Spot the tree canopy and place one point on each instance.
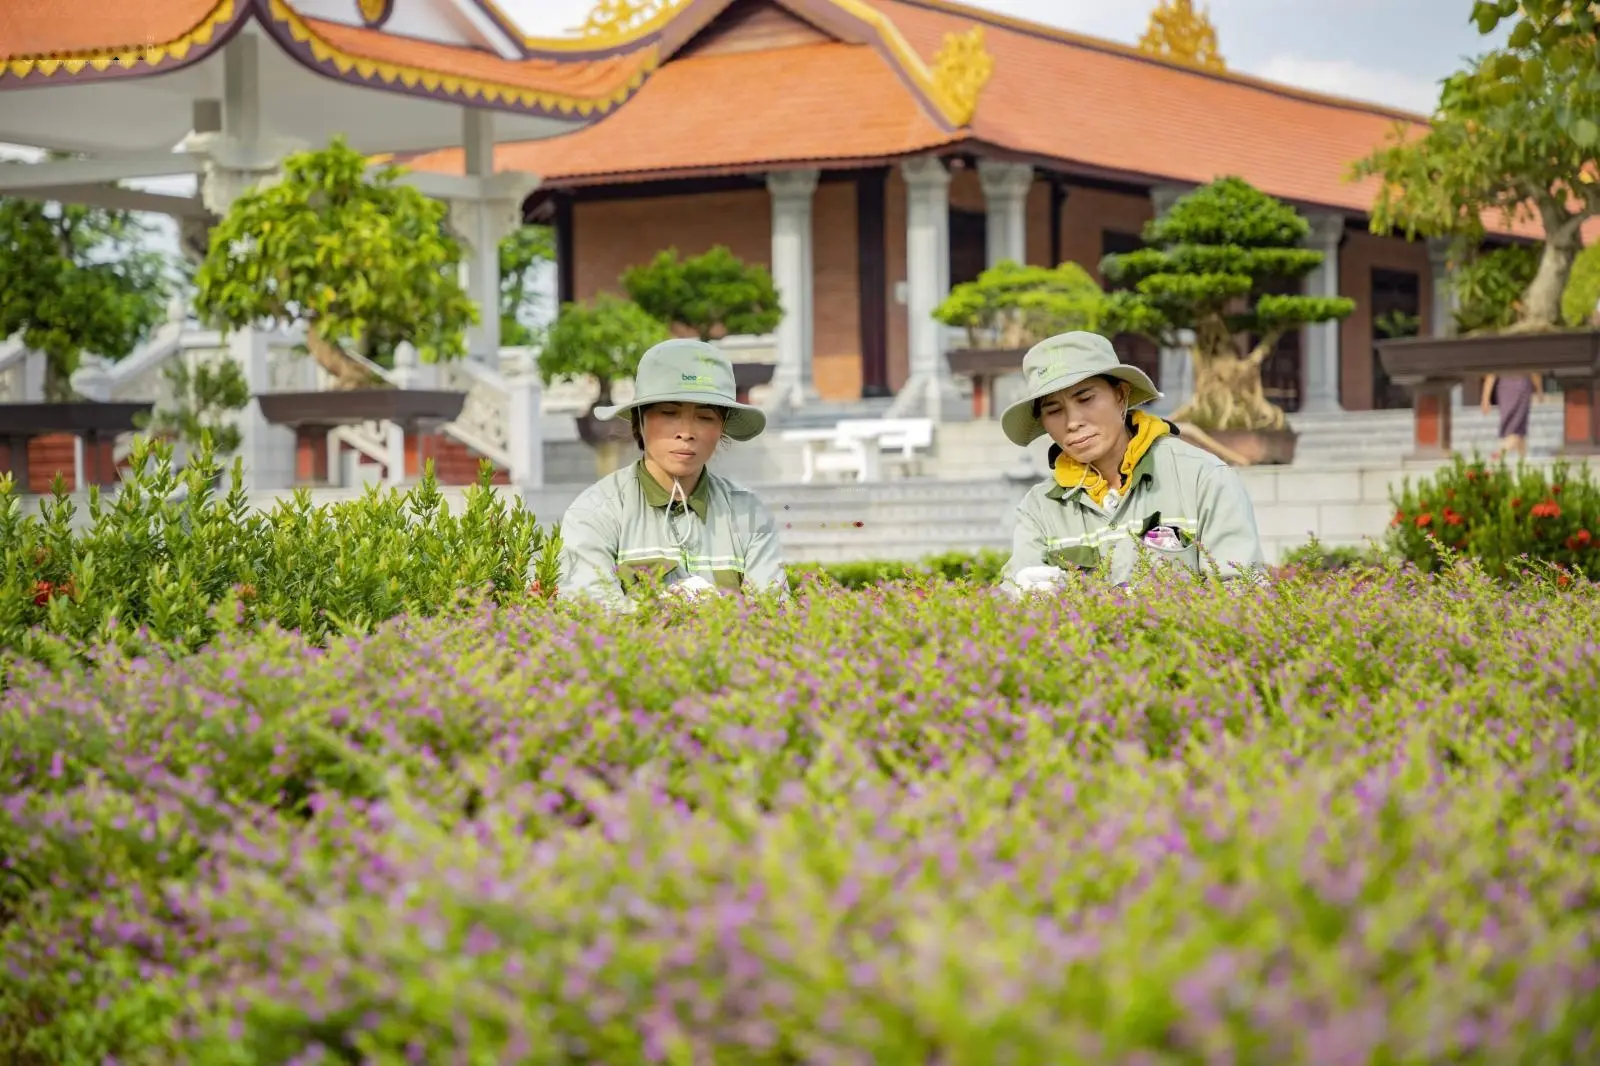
(1018, 306)
(1515, 137)
(715, 294)
(77, 280)
(348, 252)
(602, 338)
(522, 252)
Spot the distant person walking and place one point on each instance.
(1514, 395)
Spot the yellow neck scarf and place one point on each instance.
(1147, 429)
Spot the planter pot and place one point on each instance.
(418, 410)
(747, 376)
(1244, 447)
(607, 438)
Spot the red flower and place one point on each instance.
(1424, 519)
(1555, 490)
(1516, 502)
(1451, 518)
(1547, 509)
(1562, 580)
(1398, 519)
(41, 593)
(1583, 537)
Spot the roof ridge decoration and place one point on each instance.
(621, 22)
(960, 71)
(154, 54)
(1104, 44)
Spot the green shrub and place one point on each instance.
(1317, 556)
(1509, 520)
(148, 570)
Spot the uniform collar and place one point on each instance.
(1143, 470)
(656, 496)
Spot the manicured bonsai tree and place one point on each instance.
(603, 339)
(1012, 306)
(351, 253)
(1210, 265)
(715, 294)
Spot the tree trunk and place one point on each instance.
(1227, 385)
(1541, 303)
(346, 372)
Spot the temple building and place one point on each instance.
(872, 153)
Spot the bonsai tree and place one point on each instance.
(710, 296)
(201, 405)
(1489, 285)
(77, 279)
(602, 339)
(1211, 263)
(351, 254)
(1516, 135)
(1012, 306)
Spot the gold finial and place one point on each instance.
(961, 69)
(1177, 31)
(372, 11)
(613, 21)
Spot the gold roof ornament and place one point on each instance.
(1178, 32)
(618, 21)
(373, 11)
(961, 69)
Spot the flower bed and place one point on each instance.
(1345, 820)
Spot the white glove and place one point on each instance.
(692, 587)
(1041, 578)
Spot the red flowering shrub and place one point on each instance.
(1505, 518)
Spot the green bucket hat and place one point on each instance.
(1060, 362)
(689, 371)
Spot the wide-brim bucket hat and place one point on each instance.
(1061, 362)
(689, 371)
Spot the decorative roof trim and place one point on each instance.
(301, 40)
(191, 46)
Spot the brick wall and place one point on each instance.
(835, 292)
(612, 235)
(1085, 216)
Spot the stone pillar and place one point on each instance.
(1320, 341)
(1177, 365)
(524, 431)
(1005, 195)
(266, 451)
(929, 392)
(242, 154)
(793, 191)
(480, 225)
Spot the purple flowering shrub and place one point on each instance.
(1346, 820)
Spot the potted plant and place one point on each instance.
(1210, 266)
(601, 339)
(352, 255)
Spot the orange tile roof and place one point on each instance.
(53, 28)
(1065, 100)
(47, 37)
(701, 113)
(51, 41)
(570, 85)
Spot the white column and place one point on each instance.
(929, 392)
(1320, 341)
(793, 192)
(481, 230)
(242, 154)
(266, 450)
(1177, 365)
(1005, 196)
(524, 433)
(1443, 310)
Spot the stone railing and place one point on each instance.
(21, 372)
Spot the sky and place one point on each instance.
(1391, 52)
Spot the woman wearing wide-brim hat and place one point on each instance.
(666, 520)
(1122, 482)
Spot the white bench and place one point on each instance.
(862, 446)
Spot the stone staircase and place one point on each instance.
(891, 520)
(1354, 438)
